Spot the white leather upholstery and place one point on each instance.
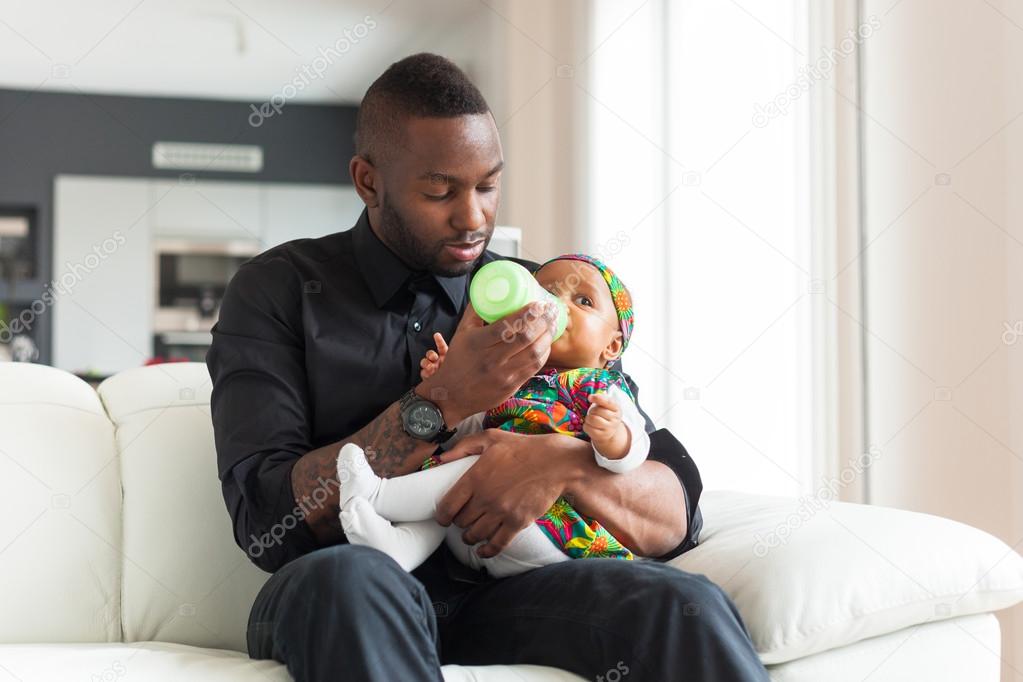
(166, 573)
(964, 649)
(954, 650)
(60, 538)
(139, 662)
(845, 572)
(185, 580)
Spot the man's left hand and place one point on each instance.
(515, 482)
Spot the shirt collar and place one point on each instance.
(385, 273)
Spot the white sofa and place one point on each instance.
(117, 560)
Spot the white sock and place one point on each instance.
(355, 475)
(407, 543)
(412, 497)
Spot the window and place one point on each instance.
(699, 195)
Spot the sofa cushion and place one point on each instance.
(149, 661)
(952, 650)
(809, 575)
(163, 662)
(60, 539)
(185, 579)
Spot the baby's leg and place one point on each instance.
(410, 544)
(412, 497)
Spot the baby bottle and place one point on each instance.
(501, 287)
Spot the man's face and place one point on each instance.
(440, 193)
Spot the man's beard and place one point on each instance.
(416, 252)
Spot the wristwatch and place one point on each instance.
(422, 419)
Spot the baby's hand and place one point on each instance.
(433, 359)
(604, 426)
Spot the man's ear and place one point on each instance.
(613, 349)
(366, 179)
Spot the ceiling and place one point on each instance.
(251, 50)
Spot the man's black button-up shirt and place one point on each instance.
(316, 337)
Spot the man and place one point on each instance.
(319, 343)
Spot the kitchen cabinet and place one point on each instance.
(103, 274)
(104, 323)
(206, 209)
(294, 211)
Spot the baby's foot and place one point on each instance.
(361, 523)
(407, 543)
(355, 474)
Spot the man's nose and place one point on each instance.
(468, 213)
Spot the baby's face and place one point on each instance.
(592, 335)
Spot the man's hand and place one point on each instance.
(514, 483)
(486, 364)
(520, 476)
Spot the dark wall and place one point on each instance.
(44, 134)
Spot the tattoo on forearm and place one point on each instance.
(387, 446)
(389, 450)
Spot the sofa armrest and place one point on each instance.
(810, 574)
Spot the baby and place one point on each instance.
(573, 394)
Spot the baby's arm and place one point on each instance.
(616, 430)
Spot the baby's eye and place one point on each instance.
(584, 300)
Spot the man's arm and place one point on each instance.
(520, 476)
(389, 450)
(645, 509)
(463, 385)
(282, 495)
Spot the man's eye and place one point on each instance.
(437, 197)
(487, 188)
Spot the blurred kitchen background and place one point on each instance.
(811, 200)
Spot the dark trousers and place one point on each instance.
(350, 613)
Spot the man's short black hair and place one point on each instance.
(422, 85)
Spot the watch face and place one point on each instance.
(423, 420)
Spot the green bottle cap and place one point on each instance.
(501, 287)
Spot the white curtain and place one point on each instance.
(699, 194)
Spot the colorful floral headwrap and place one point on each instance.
(619, 294)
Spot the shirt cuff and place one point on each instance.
(470, 425)
(665, 448)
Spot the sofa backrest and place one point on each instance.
(60, 502)
(80, 561)
(184, 578)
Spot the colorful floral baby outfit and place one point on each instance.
(556, 402)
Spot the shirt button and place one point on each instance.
(417, 326)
